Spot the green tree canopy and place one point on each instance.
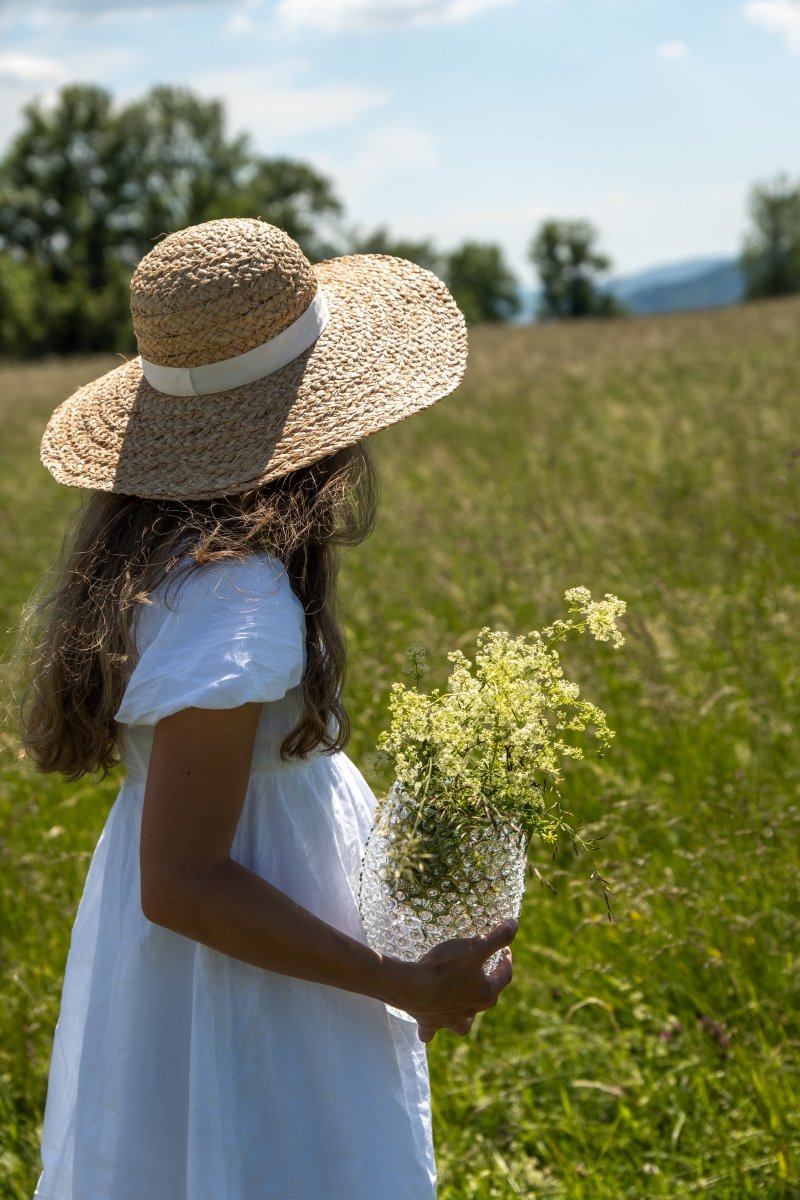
(771, 254)
(569, 266)
(85, 190)
(483, 285)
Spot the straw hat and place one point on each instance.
(253, 362)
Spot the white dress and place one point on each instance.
(179, 1073)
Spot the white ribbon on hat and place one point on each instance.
(243, 368)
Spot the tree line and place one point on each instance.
(86, 188)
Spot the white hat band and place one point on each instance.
(243, 368)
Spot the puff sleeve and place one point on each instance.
(227, 634)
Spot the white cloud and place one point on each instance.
(672, 50)
(335, 16)
(510, 226)
(30, 69)
(13, 96)
(388, 150)
(65, 14)
(476, 221)
(240, 23)
(778, 16)
(90, 8)
(616, 213)
(389, 163)
(24, 77)
(275, 109)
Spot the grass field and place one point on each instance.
(658, 458)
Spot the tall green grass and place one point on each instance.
(653, 1056)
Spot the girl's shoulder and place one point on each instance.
(217, 600)
(215, 636)
(255, 589)
(257, 578)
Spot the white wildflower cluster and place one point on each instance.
(416, 665)
(496, 739)
(601, 615)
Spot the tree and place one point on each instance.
(58, 199)
(770, 257)
(177, 164)
(483, 285)
(568, 264)
(58, 191)
(86, 190)
(21, 309)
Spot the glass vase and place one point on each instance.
(426, 878)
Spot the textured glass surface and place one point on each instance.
(484, 885)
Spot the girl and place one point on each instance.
(223, 1031)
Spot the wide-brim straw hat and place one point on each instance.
(252, 363)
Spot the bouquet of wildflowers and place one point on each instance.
(489, 750)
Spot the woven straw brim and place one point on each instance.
(395, 343)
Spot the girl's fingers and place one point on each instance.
(460, 987)
(482, 946)
(458, 1025)
(496, 939)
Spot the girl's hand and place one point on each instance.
(449, 985)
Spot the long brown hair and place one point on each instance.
(81, 635)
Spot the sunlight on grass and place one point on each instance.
(655, 1056)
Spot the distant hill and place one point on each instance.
(695, 283)
(698, 283)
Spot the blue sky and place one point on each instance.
(463, 119)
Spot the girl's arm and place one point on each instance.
(196, 784)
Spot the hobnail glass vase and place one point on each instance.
(475, 879)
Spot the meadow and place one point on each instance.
(653, 1055)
